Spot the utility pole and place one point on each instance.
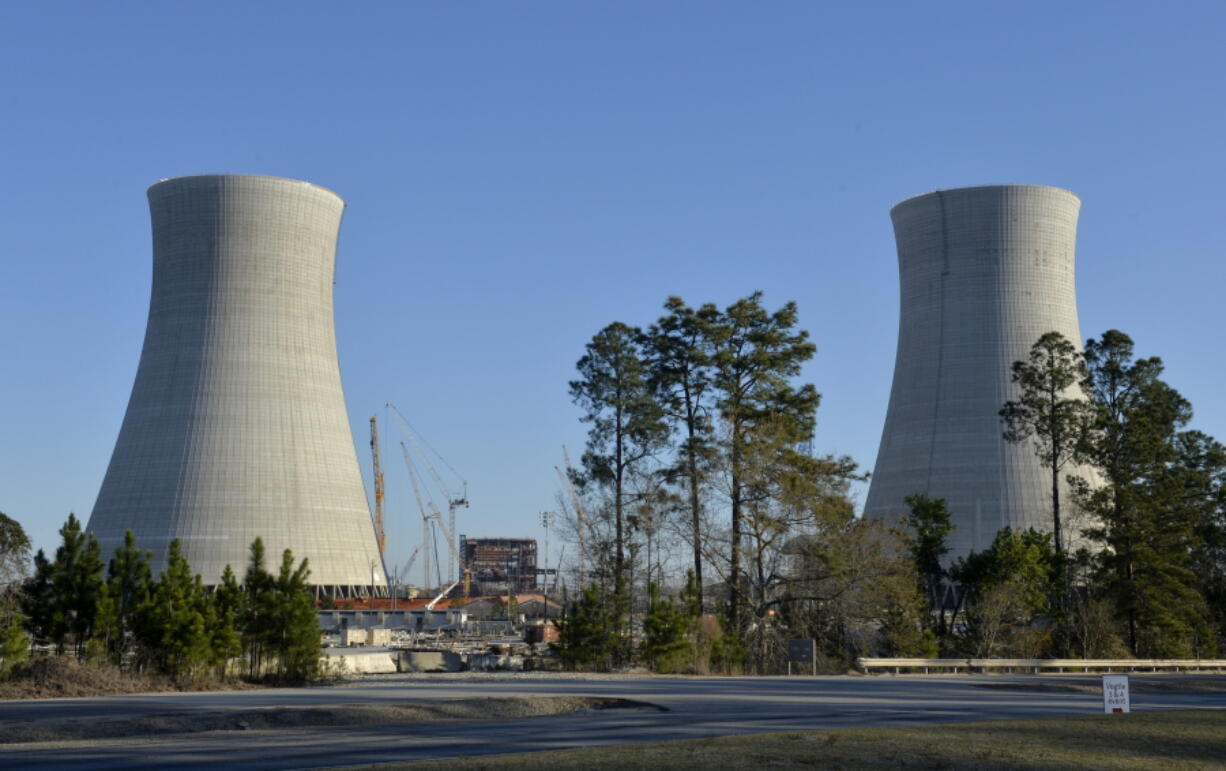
(546, 522)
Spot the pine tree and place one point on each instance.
(627, 428)
(1203, 465)
(14, 645)
(1147, 533)
(586, 633)
(61, 598)
(173, 619)
(37, 602)
(107, 630)
(1050, 410)
(228, 595)
(295, 625)
(755, 354)
(226, 608)
(257, 610)
(129, 578)
(929, 525)
(679, 361)
(222, 610)
(666, 645)
(691, 596)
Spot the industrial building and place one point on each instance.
(499, 565)
(983, 273)
(236, 427)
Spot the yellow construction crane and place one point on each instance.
(380, 534)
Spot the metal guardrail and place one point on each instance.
(867, 665)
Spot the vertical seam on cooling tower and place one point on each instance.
(1004, 236)
(936, 396)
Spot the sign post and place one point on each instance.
(1115, 694)
(802, 651)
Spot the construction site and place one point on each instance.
(480, 603)
(237, 430)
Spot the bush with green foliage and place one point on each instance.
(666, 645)
(586, 633)
(173, 625)
(1007, 591)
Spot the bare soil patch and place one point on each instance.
(288, 718)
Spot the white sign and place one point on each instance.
(1115, 693)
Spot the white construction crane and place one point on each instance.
(579, 511)
(426, 516)
(453, 501)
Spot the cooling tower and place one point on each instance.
(983, 272)
(236, 427)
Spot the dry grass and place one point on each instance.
(288, 718)
(1138, 683)
(1149, 740)
(45, 677)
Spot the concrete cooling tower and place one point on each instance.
(236, 427)
(984, 271)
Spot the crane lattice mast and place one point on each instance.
(380, 534)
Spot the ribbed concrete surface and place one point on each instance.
(984, 271)
(236, 427)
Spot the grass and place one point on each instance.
(21, 734)
(1194, 739)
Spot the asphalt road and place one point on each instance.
(692, 708)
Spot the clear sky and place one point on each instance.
(519, 174)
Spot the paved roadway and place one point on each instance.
(693, 707)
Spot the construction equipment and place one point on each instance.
(441, 595)
(453, 501)
(380, 534)
(412, 558)
(580, 514)
(425, 516)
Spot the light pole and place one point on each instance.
(546, 522)
(373, 580)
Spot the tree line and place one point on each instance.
(118, 613)
(1142, 565)
(699, 474)
(700, 441)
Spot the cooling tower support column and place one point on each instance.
(983, 272)
(236, 427)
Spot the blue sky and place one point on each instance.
(519, 174)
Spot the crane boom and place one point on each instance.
(579, 512)
(453, 501)
(380, 534)
(425, 516)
